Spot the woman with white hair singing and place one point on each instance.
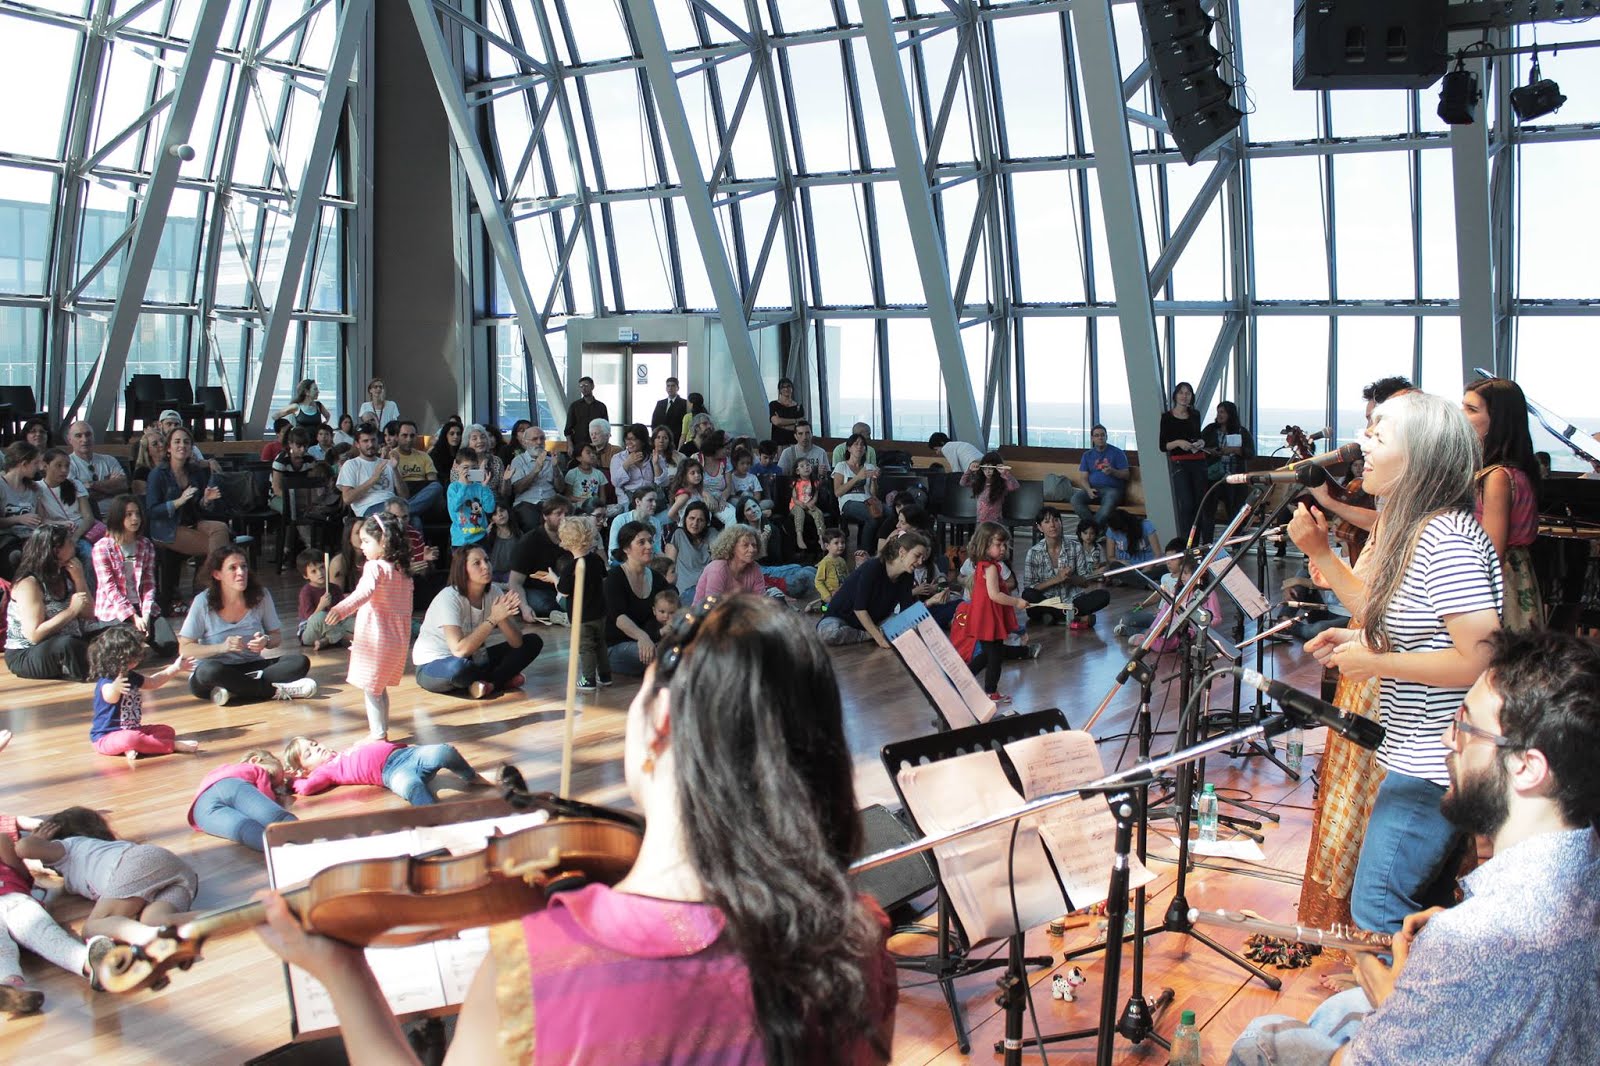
(1430, 598)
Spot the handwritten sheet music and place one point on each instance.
(926, 649)
(950, 793)
(959, 672)
(413, 979)
(1080, 833)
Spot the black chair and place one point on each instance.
(19, 398)
(214, 401)
(244, 503)
(958, 515)
(1022, 505)
(180, 398)
(297, 489)
(143, 400)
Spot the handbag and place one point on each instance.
(874, 507)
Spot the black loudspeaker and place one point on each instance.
(1369, 44)
(1184, 66)
(902, 881)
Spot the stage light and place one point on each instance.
(1459, 95)
(1537, 98)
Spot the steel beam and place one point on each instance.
(1469, 164)
(480, 178)
(702, 216)
(307, 211)
(1130, 273)
(1227, 163)
(104, 384)
(926, 241)
(1217, 364)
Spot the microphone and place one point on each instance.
(1308, 474)
(1303, 705)
(1322, 434)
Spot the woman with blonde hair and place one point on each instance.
(733, 566)
(1428, 594)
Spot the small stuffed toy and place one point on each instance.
(1062, 985)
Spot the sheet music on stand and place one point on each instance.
(425, 979)
(937, 667)
(1239, 587)
(1063, 857)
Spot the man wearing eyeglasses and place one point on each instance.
(531, 477)
(1511, 974)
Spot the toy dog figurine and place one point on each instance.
(1063, 985)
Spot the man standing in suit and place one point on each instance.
(670, 412)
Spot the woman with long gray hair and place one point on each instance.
(1429, 599)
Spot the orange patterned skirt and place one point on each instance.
(1350, 776)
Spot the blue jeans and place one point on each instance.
(1276, 1040)
(425, 499)
(1109, 498)
(856, 511)
(453, 674)
(1406, 847)
(541, 596)
(235, 810)
(802, 580)
(624, 659)
(409, 771)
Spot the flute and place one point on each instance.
(1340, 937)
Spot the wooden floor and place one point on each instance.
(232, 1006)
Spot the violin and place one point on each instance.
(404, 900)
(1352, 536)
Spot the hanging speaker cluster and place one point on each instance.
(1186, 69)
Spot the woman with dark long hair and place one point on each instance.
(177, 497)
(306, 411)
(1427, 591)
(1229, 447)
(1186, 458)
(737, 936)
(229, 628)
(1507, 493)
(470, 643)
(446, 443)
(48, 606)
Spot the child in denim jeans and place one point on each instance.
(577, 537)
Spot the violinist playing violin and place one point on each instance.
(736, 937)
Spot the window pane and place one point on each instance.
(1439, 278)
(619, 129)
(1552, 378)
(838, 219)
(916, 387)
(1558, 237)
(26, 200)
(850, 352)
(821, 111)
(641, 250)
(1288, 230)
(1369, 349)
(324, 357)
(902, 284)
(1049, 246)
(1374, 226)
(1281, 113)
(1291, 369)
(1441, 355)
(21, 345)
(1116, 410)
(39, 66)
(1055, 360)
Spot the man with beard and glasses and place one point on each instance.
(1511, 974)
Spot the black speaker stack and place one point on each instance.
(1186, 69)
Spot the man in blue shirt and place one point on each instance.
(1511, 974)
(1107, 467)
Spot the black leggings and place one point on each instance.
(990, 655)
(58, 658)
(236, 677)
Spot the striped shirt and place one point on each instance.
(1453, 571)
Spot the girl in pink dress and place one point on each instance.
(803, 502)
(381, 603)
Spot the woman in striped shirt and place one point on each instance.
(1430, 600)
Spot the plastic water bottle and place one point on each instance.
(1294, 748)
(1208, 815)
(1185, 1042)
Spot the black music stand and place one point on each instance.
(946, 965)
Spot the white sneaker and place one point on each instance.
(295, 690)
(221, 696)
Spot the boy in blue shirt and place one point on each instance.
(469, 500)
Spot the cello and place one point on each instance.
(402, 900)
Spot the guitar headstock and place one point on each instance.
(131, 967)
(1295, 439)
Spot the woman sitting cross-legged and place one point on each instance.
(631, 626)
(48, 606)
(228, 630)
(736, 937)
(472, 643)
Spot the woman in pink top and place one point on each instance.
(1506, 502)
(733, 567)
(734, 751)
(382, 606)
(238, 801)
(991, 482)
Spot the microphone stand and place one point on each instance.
(1117, 786)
